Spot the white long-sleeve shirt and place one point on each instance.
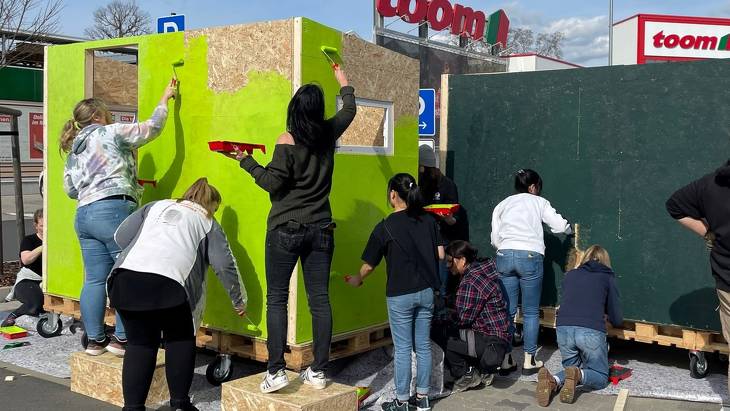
(517, 223)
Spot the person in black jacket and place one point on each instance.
(703, 207)
(298, 180)
(589, 295)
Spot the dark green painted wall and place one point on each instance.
(612, 144)
(21, 84)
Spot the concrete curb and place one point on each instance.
(4, 291)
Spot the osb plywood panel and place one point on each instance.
(381, 74)
(366, 129)
(115, 82)
(236, 51)
(87, 372)
(244, 394)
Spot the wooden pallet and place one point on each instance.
(297, 356)
(665, 335)
(71, 307)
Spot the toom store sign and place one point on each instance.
(442, 14)
(670, 38)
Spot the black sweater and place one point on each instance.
(590, 292)
(299, 180)
(709, 199)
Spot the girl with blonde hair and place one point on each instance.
(158, 287)
(101, 173)
(590, 295)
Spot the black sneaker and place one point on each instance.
(9, 321)
(395, 405)
(467, 381)
(97, 347)
(117, 346)
(421, 404)
(182, 405)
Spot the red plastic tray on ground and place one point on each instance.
(442, 209)
(13, 332)
(231, 146)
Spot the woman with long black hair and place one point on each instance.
(300, 226)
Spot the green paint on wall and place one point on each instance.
(255, 113)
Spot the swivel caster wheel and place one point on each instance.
(698, 365)
(220, 370)
(49, 326)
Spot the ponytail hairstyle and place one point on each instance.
(407, 189)
(525, 178)
(596, 253)
(203, 194)
(462, 249)
(83, 115)
(722, 176)
(305, 118)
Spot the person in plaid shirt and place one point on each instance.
(476, 350)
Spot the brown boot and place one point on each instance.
(546, 387)
(572, 379)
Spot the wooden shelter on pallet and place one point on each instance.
(612, 144)
(235, 84)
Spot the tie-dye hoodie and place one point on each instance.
(101, 162)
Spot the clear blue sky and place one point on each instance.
(584, 22)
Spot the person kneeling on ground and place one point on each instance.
(589, 295)
(477, 348)
(27, 288)
(158, 287)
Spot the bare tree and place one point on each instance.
(120, 18)
(523, 40)
(550, 44)
(520, 40)
(23, 23)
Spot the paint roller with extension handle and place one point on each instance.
(332, 54)
(176, 64)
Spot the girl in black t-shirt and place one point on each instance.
(27, 288)
(409, 240)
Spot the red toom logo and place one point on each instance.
(440, 14)
(689, 41)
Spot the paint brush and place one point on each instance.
(251, 326)
(176, 64)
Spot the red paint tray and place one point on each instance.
(231, 146)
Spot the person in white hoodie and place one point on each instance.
(158, 287)
(517, 235)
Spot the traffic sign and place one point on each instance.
(427, 112)
(169, 24)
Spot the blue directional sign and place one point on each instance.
(169, 24)
(427, 112)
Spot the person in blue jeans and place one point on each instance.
(517, 234)
(410, 241)
(101, 173)
(590, 295)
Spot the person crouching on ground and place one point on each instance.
(475, 353)
(27, 288)
(409, 240)
(589, 295)
(158, 287)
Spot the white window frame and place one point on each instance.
(388, 129)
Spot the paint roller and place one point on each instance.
(176, 64)
(251, 326)
(331, 53)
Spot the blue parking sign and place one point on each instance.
(427, 112)
(169, 24)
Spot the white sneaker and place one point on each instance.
(314, 378)
(274, 382)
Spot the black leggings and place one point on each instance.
(30, 294)
(145, 331)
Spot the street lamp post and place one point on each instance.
(610, 32)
